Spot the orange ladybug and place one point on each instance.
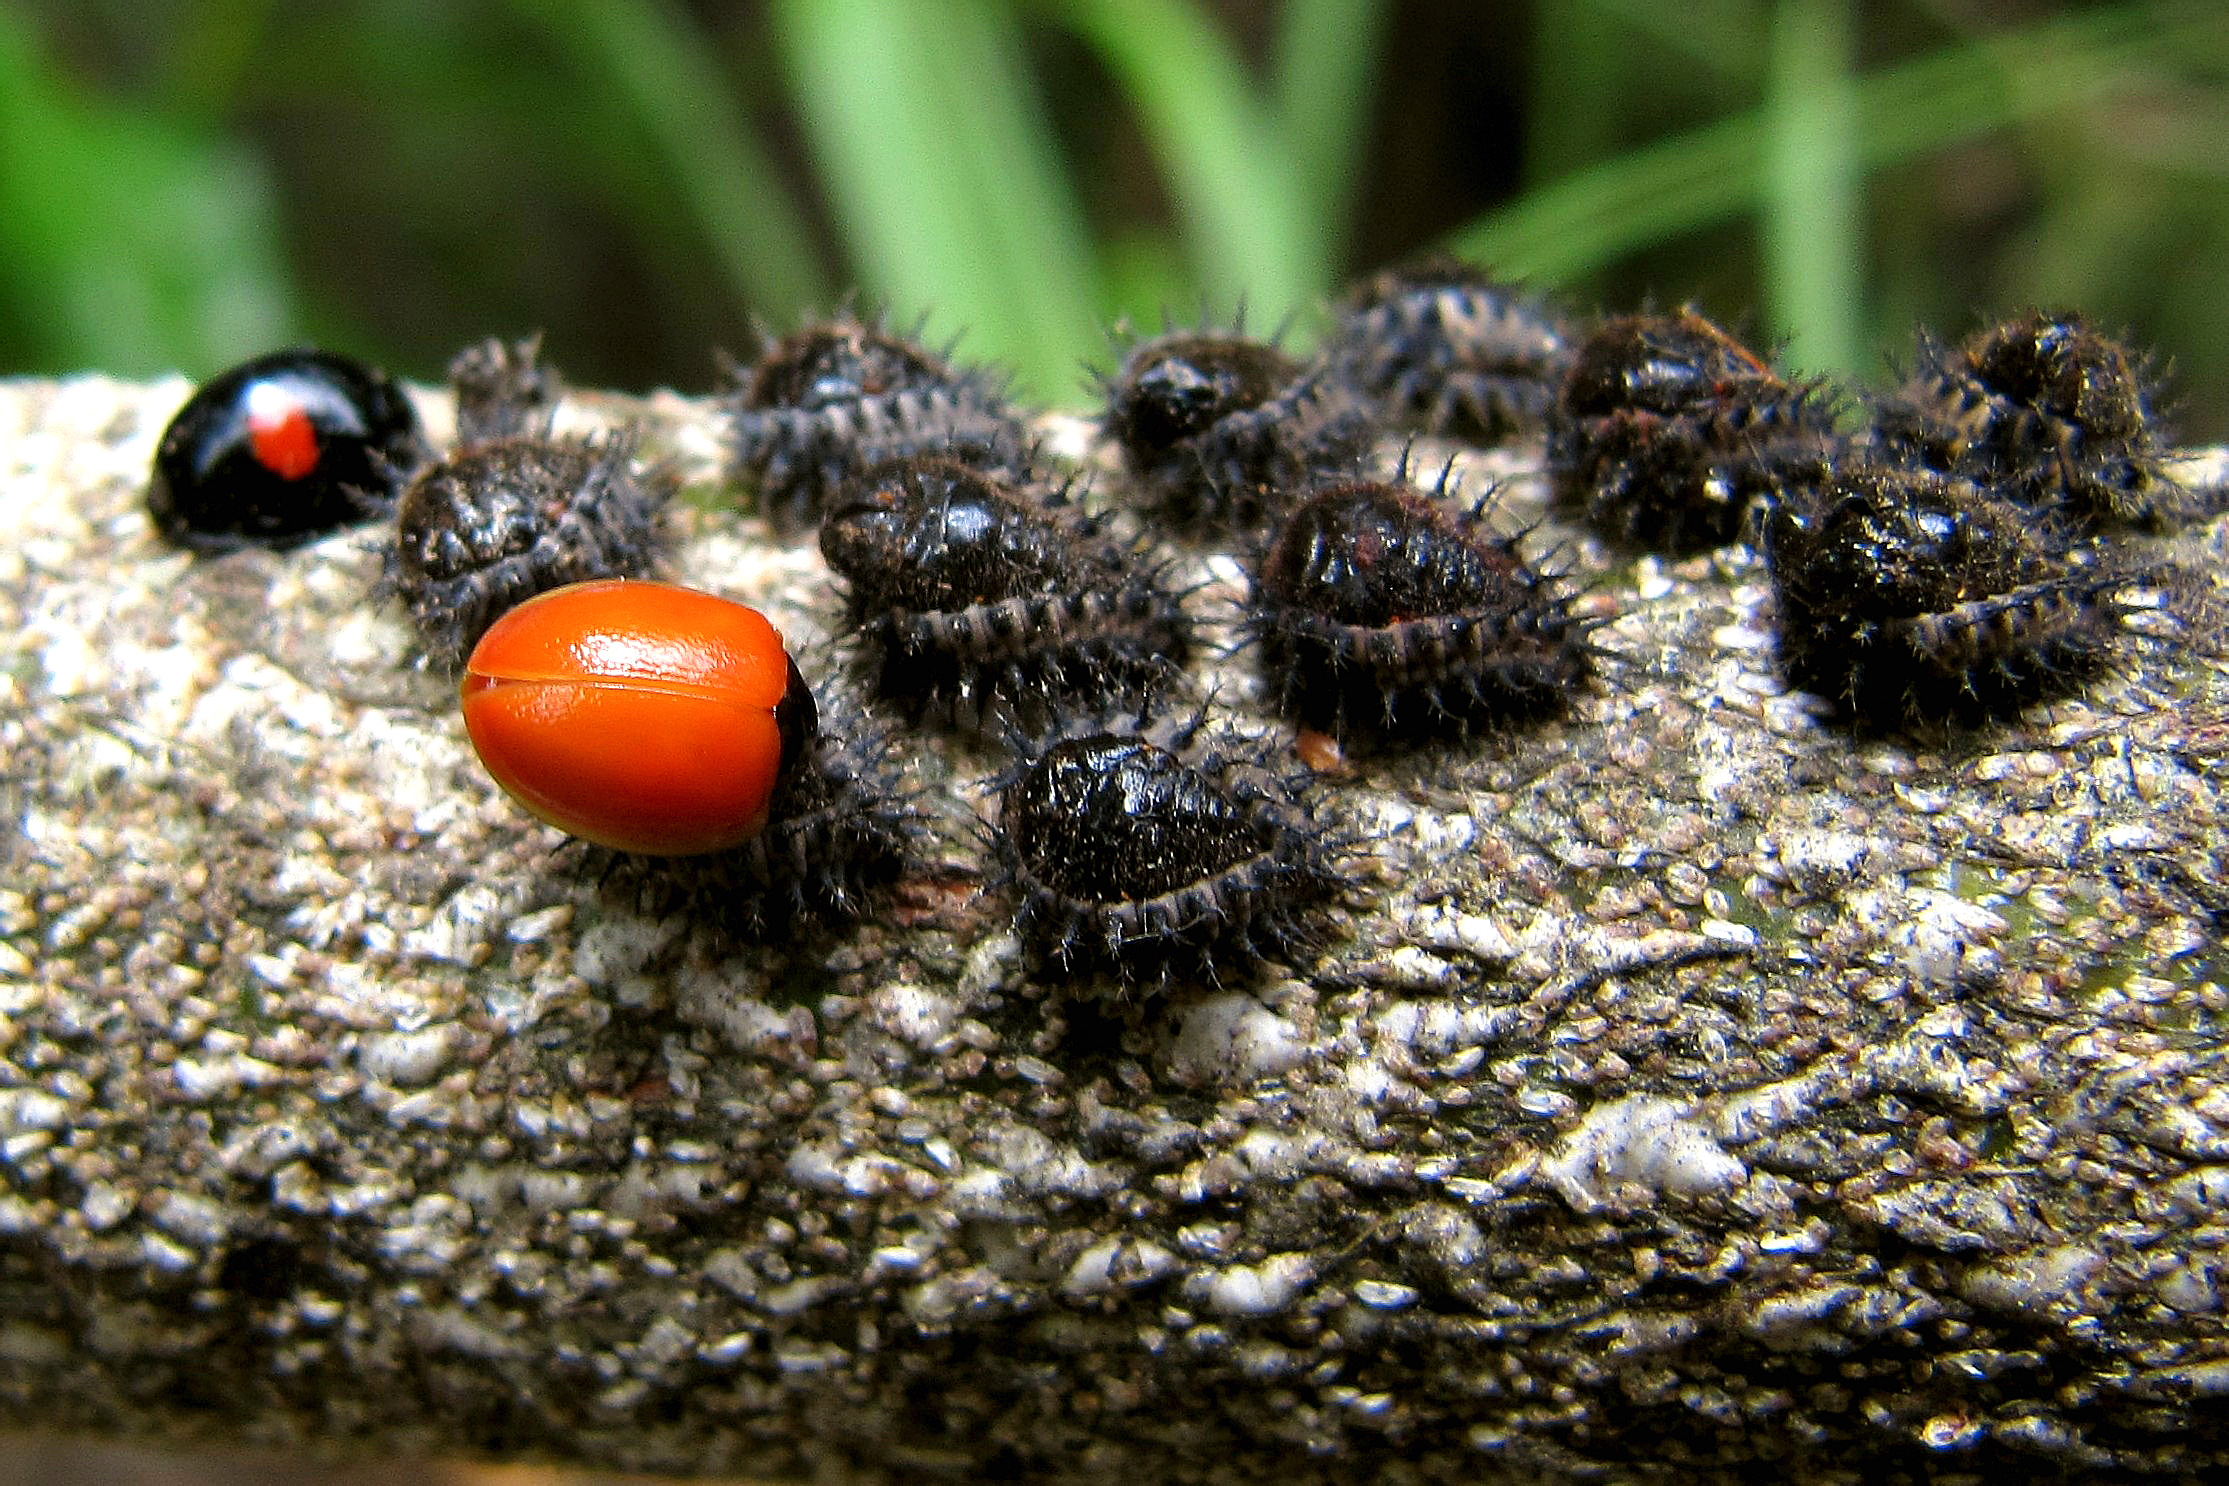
(641, 716)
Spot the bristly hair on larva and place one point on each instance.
(1908, 596)
(979, 599)
(1669, 430)
(1443, 347)
(1143, 855)
(845, 825)
(2046, 411)
(516, 510)
(1219, 432)
(842, 395)
(1384, 613)
(503, 389)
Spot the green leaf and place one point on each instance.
(1326, 75)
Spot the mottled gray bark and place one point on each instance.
(1690, 1090)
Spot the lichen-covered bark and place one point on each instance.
(1688, 1090)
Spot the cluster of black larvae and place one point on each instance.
(1386, 613)
(1950, 562)
(1136, 839)
(979, 598)
(1948, 566)
(1443, 347)
(842, 396)
(1667, 431)
(515, 510)
(1134, 847)
(1219, 433)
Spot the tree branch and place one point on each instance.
(1690, 1091)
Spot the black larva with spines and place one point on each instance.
(1668, 431)
(1906, 595)
(503, 390)
(974, 595)
(837, 398)
(1442, 347)
(1220, 433)
(2046, 410)
(839, 831)
(516, 510)
(841, 828)
(1382, 613)
(1156, 858)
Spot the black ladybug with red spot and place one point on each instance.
(282, 450)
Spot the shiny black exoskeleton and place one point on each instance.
(1381, 612)
(1909, 595)
(1125, 855)
(973, 594)
(2047, 411)
(1668, 430)
(837, 398)
(1442, 347)
(282, 450)
(517, 510)
(1220, 433)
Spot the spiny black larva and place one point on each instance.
(1910, 596)
(503, 389)
(1443, 347)
(975, 596)
(517, 510)
(2046, 411)
(842, 827)
(844, 395)
(1383, 613)
(1160, 854)
(1668, 430)
(1219, 432)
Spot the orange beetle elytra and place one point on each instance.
(640, 716)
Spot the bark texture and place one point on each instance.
(1688, 1091)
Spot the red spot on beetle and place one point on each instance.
(280, 433)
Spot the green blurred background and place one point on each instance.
(185, 182)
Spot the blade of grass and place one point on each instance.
(1591, 217)
(1324, 75)
(654, 56)
(941, 175)
(1577, 85)
(1245, 216)
(1813, 273)
(1597, 65)
(214, 46)
(1726, 36)
(1039, 269)
(853, 75)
